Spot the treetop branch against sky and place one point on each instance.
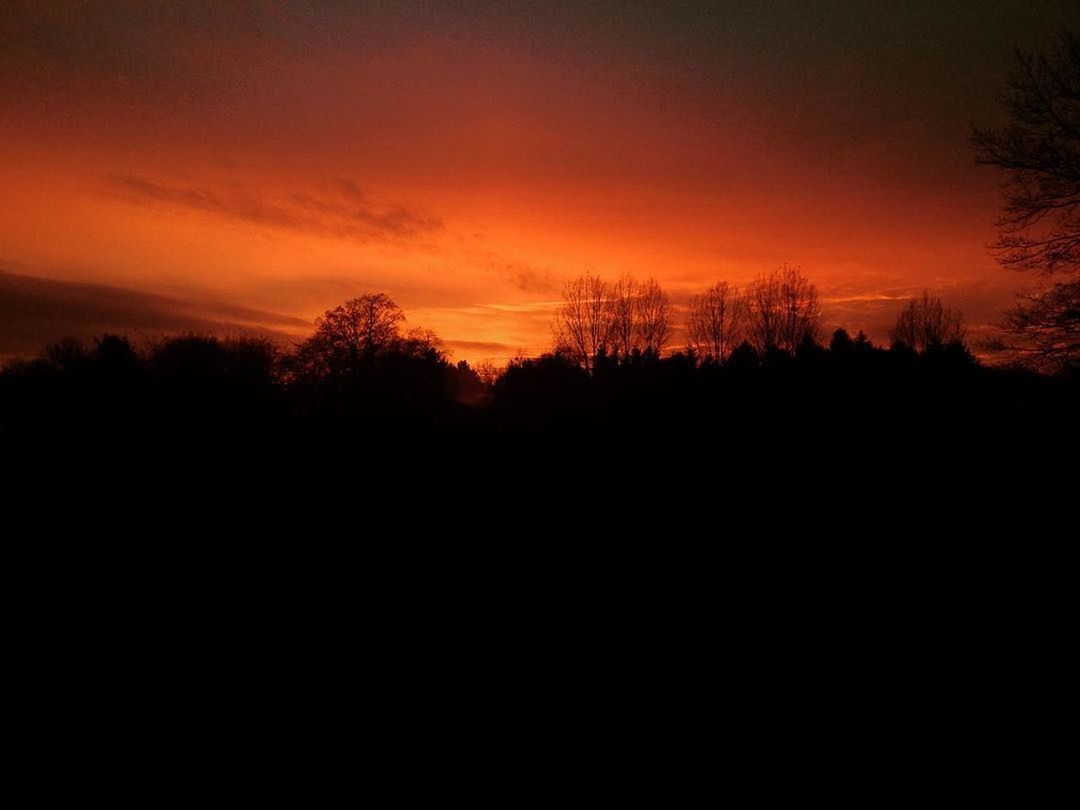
(250, 165)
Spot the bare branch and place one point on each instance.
(715, 322)
(782, 310)
(583, 324)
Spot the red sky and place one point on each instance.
(467, 161)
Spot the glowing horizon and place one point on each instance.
(284, 159)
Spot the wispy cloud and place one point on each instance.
(867, 298)
(339, 210)
(483, 346)
(527, 278)
(522, 307)
(875, 311)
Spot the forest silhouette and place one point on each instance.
(360, 374)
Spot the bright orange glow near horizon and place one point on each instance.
(281, 159)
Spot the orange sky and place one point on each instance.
(467, 162)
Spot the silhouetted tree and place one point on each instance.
(541, 394)
(624, 329)
(582, 325)
(350, 334)
(193, 384)
(488, 372)
(744, 356)
(715, 321)
(841, 342)
(782, 310)
(1039, 152)
(115, 355)
(465, 384)
(68, 354)
(423, 343)
(1043, 328)
(925, 323)
(846, 350)
(809, 351)
(208, 360)
(654, 317)
(951, 358)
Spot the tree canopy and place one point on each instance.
(1038, 153)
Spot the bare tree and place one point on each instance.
(715, 321)
(782, 310)
(1043, 329)
(345, 335)
(582, 325)
(624, 331)
(654, 317)
(488, 372)
(926, 323)
(421, 342)
(1038, 151)
(361, 326)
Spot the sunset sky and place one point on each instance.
(248, 165)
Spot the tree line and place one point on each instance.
(778, 312)
(1037, 153)
(363, 372)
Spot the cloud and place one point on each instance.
(340, 211)
(875, 311)
(35, 312)
(482, 346)
(522, 275)
(527, 278)
(517, 308)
